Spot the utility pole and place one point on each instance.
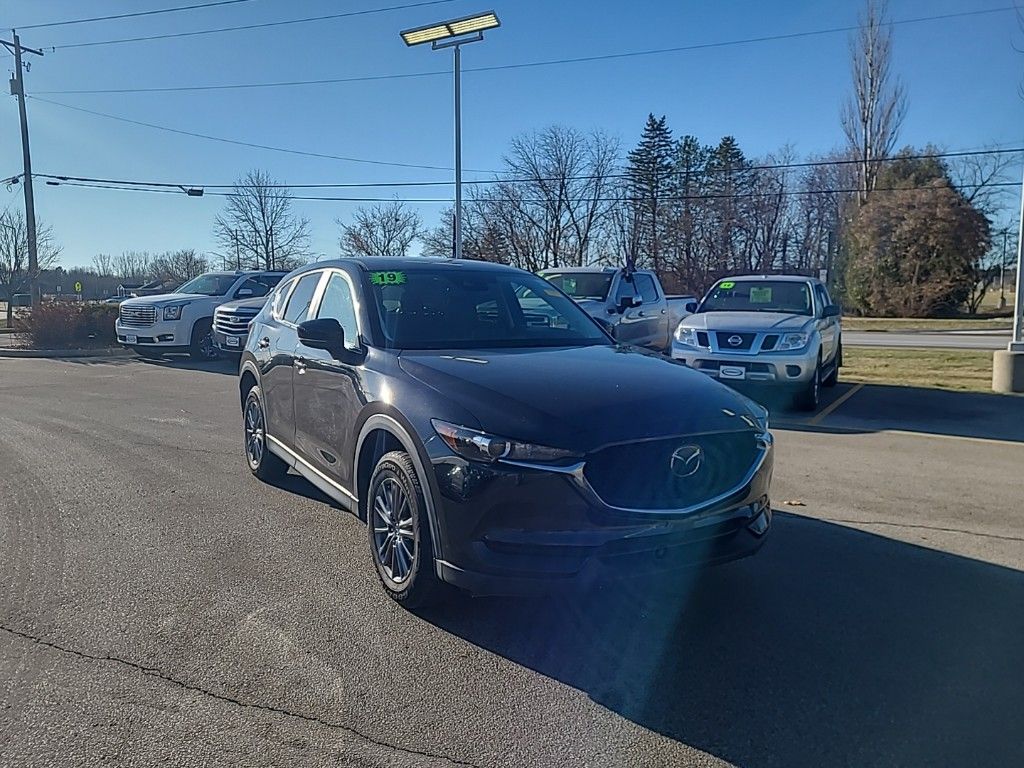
(1002, 273)
(238, 258)
(18, 89)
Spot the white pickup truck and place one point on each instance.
(182, 321)
(632, 306)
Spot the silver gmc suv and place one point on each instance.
(766, 331)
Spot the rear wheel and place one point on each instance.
(201, 346)
(399, 532)
(810, 396)
(262, 463)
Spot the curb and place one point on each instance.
(47, 353)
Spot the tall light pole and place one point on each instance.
(454, 34)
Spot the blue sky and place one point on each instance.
(962, 77)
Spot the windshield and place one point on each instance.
(583, 285)
(211, 284)
(449, 308)
(759, 296)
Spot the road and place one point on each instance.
(928, 340)
(161, 606)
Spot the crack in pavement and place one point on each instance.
(154, 672)
(937, 528)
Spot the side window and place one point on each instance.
(645, 287)
(337, 303)
(822, 298)
(301, 298)
(279, 298)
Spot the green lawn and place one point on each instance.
(925, 324)
(955, 369)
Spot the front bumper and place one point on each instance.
(227, 342)
(773, 368)
(159, 334)
(512, 530)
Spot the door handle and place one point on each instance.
(264, 342)
(664, 311)
(300, 365)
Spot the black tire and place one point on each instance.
(809, 397)
(267, 466)
(201, 346)
(833, 375)
(409, 582)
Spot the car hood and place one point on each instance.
(254, 303)
(165, 298)
(745, 321)
(581, 398)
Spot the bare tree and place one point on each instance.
(133, 265)
(179, 266)
(14, 274)
(385, 229)
(103, 263)
(258, 220)
(978, 177)
(872, 116)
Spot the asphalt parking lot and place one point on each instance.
(160, 605)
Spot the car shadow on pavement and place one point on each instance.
(832, 646)
(220, 365)
(878, 407)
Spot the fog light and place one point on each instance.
(759, 525)
(793, 370)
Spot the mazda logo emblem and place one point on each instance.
(734, 340)
(686, 460)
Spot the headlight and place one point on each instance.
(686, 336)
(792, 341)
(173, 313)
(479, 446)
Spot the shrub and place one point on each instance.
(64, 325)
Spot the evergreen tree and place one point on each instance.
(651, 176)
(729, 178)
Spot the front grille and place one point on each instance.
(746, 340)
(138, 316)
(233, 322)
(702, 339)
(640, 476)
(769, 342)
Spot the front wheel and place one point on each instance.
(398, 530)
(809, 397)
(201, 346)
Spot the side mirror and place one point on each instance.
(628, 302)
(328, 335)
(690, 306)
(243, 292)
(832, 310)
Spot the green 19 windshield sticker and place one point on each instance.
(726, 285)
(387, 278)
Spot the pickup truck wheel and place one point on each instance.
(265, 465)
(809, 397)
(399, 532)
(201, 346)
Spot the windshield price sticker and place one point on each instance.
(387, 278)
(760, 295)
(727, 285)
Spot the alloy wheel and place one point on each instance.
(394, 538)
(254, 432)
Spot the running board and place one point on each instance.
(323, 483)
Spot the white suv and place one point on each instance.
(182, 321)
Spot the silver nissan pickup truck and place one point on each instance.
(765, 331)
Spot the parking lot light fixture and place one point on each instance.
(453, 34)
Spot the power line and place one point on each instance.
(244, 27)
(530, 64)
(132, 15)
(250, 144)
(175, 186)
(665, 198)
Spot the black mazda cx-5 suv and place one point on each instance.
(491, 435)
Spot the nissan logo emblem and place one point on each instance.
(686, 460)
(734, 340)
